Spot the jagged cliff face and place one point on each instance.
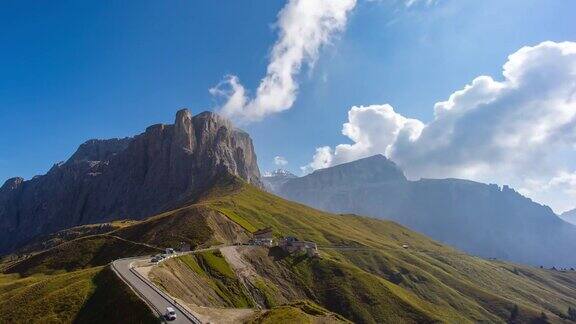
(127, 178)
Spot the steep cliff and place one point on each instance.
(127, 178)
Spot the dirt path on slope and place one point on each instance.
(193, 291)
(234, 258)
(245, 272)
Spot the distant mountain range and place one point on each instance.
(170, 165)
(274, 180)
(106, 180)
(196, 183)
(481, 219)
(369, 270)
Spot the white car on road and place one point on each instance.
(170, 314)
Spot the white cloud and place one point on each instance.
(280, 161)
(304, 27)
(519, 130)
(321, 159)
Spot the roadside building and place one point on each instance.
(184, 247)
(263, 237)
(291, 244)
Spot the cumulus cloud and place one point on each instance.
(280, 161)
(323, 158)
(519, 130)
(304, 27)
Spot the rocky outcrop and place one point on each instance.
(105, 180)
(100, 150)
(481, 219)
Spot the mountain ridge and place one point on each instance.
(275, 179)
(569, 216)
(370, 270)
(481, 219)
(133, 177)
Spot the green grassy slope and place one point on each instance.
(216, 283)
(365, 273)
(212, 265)
(74, 257)
(298, 312)
(429, 278)
(80, 253)
(207, 279)
(51, 240)
(169, 229)
(92, 295)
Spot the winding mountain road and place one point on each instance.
(153, 296)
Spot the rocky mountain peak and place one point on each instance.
(280, 173)
(12, 184)
(184, 135)
(99, 150)
(373, 169)
(481, 219)
(136, 177)
(276, 179)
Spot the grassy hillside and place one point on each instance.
(194, 225)
(85, 296)
(51, 240)
(299, 312)
(73, 258)
(207, 280)
(371, 271)
(85, 252)
(426, 278)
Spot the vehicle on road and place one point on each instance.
(170, 314)
(155, 260)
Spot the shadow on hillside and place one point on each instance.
(278, 253)
(113, 302)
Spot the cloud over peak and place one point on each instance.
(519, 130)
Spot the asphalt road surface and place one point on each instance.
(149, 293)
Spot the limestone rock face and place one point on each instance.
(137, 177)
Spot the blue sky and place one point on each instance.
(75, 70)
